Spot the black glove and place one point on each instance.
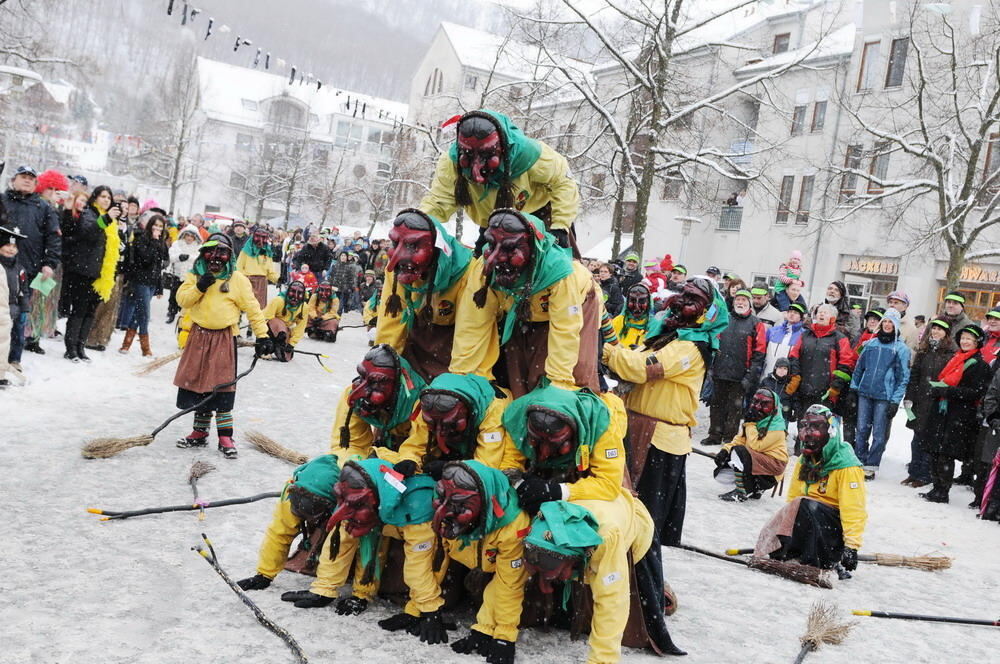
(722, 457)
(205, 281)
(184, 257)
(407, 468)
(255, 582)
(434, 469)
(475, 642)
(534, 491)
(500, 652)
(398, 622)
(891, 410)
(849, 559)
(263, 346)
(351, 606)
(562, 237)
(430, 628)
(748, 384)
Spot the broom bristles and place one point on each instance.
(199, 469)
(927, 563)
(823, 627)
(807, 574)
(157, 363)
(271, 447)
(104, 448)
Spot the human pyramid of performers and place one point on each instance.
(479, 456)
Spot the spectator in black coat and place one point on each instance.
(144, 276)
(614, 302)
(316, 255)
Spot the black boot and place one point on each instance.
(32, 346)
(85, 327)
(72, 334)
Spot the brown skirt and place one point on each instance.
(258, 283)
(428, 348)
(209, 359)
(525, 353)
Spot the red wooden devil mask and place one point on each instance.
(480, 147)
(510, 248)
(458, 503)
(412, 254)
(357, 501)
(374, 389)
(448, 419)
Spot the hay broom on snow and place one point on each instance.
(273, 448)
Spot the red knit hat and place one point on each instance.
(667, 264)
(51, 180)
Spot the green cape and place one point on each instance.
(500, 506)
(836, 453)
(453, 259)
(565, 529)
(522, 153)
(586, 409)
(549, 264)
(407, 393)
(317, 476)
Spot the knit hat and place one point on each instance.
(713, 271)
(796, 254)
(899, 295)
(565, 529)
(318, 475)
(955, 296)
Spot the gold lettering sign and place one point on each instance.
(873, 266)
(977, 273)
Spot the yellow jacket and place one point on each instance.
(666, 390)
(477, 340)
(216, 310)
(323, 311)
(843, 489)
(607, 458)
(282, 531)
(633, 338)
(625, 526)
(773, 444)
(390, 329)
(494, 446)
(257, 266)
(296, 322)
(502, 554)
(362, 434)
(547, 181)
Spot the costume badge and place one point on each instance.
(611, 454)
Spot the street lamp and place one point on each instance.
(685, 231)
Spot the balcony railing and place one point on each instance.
(730, 218)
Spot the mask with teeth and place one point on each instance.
(510, 249)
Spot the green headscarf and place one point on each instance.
(565, 529)
(251, 249)
(474, 390)
(776, 420)
(452, 260)
(836, 453)
(200, 266)
(317, 476)
(714, 322)
(549, 264)
(500, 506)
(522, 153)
(583, 407)
(407, 393)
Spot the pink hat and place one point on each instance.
(148, 205)
(796, 254)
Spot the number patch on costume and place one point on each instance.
(516, 564)
(685, 363)
(423, 546)
(393, 479)
(854, 485)
(611, 578)
(574, 309)
(491, 437)
(611, 454)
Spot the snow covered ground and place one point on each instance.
(79, 590)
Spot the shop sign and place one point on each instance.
(869, 265)
(980, 274)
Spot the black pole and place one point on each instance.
(706, 552)
(201, 403)
(914, 616)
(702, 453)
(109, 515)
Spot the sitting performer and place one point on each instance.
(323, 315)
(758, 454)
(287, 315)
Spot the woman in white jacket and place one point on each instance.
(183, 253)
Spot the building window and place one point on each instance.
(471, 82)
(348, 135)
(287, 114)
(849, 182)
(628, 216)
(869, 65)
(990, 167)
(798, 120)
(805, 199)
(730, 218)
(237, 181)
(781, 43)
(819, 116)
(321, 155)
(673, 186)
(785, 199)
(879, 169)
(244, 142)
(897, 62)
(435, 83)
(249, 105)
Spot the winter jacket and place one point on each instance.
(781, 301)
(742, 347)
(768, 314)
(366, 290)
(953, 423)
(7, 309)
(86, 240)
(844, 490)
(547, 181)
(36, 219)
(148, 259)
(629, 278)
(183, 254)
(667, 385)
(625, 527)
(780, 341)
(261, 265)
(295, 319)
(822, 362)
(779, 386)
(238, 241)
(991, 414)
(927, 366)
(16, 283)
(614, 302)
(497, 548)
(882, 371)
(317, 257)
(216, 309)
(344, 277)
(908, 332)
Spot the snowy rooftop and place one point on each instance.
(837, 43)
(225, 88)
(20, 71)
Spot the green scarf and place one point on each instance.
(836, 453)
(549, 264)
(630, 323)
(200, 266)
(775, 421)
(407, 393)
(522, 153)
(451, 262)
(712, 324)
(253, 251)
(583, 407)
(500, 506)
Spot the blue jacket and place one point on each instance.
(883, 369)
(780, 340)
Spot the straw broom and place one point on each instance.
(273, 448)
(167, 359)
(822, 627)
(927, 563)
(198, 470)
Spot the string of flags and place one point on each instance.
(188, 14)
